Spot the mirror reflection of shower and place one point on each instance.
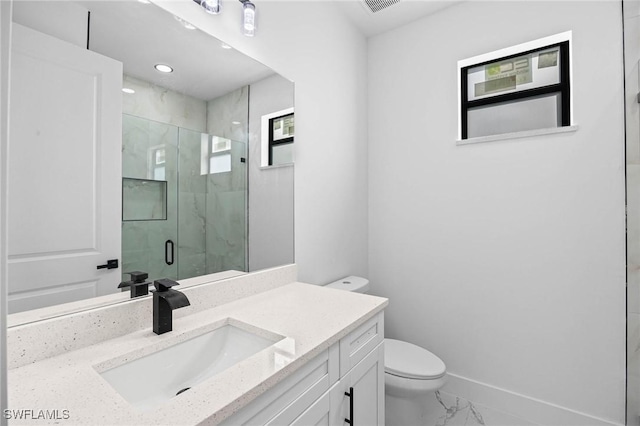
(189, 191)
(184, 190)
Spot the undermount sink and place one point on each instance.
(151, 380)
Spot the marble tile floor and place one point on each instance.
(443, 409)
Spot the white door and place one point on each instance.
(64, 183)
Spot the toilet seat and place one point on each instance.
(404, 359)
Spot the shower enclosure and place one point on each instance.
(184, 201)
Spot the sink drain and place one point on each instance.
(182, 390)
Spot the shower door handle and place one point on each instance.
(168, 252)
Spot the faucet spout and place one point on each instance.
(165, 300)
(174, 298)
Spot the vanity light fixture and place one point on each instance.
(248, 13)
(128, 91)
(248, 18)
(163, 68)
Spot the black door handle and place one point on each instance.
(111, 264)
(350, 395)
(168, 252)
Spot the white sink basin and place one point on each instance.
(149, 381)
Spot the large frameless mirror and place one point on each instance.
(135, 139)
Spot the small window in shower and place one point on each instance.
(519, 89)
(157, 162)
(220, 163)
(216, 154)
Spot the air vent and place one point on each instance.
(378, 5)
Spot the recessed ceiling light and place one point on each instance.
(225, 46)
(163, 68)
(129, 91)
(235, 122)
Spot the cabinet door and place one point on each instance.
(319, 413)
(365, 384)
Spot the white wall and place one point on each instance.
(271, 208)
(5, 24)
(632, 87)
(312, 44)
(506, 259)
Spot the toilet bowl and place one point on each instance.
(412, 373)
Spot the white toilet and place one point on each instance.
(411, 374)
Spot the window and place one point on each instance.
(528, 88)
(277, 132)
(281, 132)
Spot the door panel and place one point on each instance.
(64, 171)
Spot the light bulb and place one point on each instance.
(249, 21)
(211, 6)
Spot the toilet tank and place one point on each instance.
(351, 283)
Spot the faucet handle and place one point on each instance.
(138, 285)
(138, 277)
(164, 284)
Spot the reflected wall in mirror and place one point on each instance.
(113, 160)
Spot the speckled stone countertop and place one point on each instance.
(312, 318)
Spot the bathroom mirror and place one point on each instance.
(189, 144)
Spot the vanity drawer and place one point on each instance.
(360, 342)
(291, 397)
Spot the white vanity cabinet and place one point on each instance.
(316, 393)
(365, 384)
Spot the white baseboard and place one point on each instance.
(522, 406)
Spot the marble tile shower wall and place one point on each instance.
(192, 207)
(226, 220)
(163, 105)
(226, 224)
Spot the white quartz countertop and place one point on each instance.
(312, 318)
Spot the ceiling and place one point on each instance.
(142, 35)
(391, 17)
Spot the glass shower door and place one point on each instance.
(149, 198)
(212, 200)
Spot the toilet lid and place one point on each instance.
(408, 360)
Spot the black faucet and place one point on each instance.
(165, 300)
(137, 284)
